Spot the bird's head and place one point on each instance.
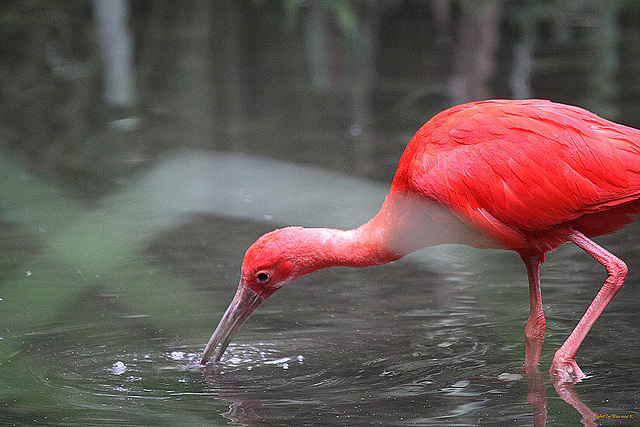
(275, 259)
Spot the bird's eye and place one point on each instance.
(262, 277)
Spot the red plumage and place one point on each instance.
(526, 172)
(521, 175)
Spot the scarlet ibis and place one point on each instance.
(525, 175)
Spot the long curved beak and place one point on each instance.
(244, 303)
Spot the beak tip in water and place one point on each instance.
(244, 303)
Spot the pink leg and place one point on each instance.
(534, 330)
(564, 363)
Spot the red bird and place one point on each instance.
(521, 175)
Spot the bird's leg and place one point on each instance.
(534, 330)
(564, 363)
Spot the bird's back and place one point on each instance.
(525, 171)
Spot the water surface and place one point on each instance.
(432, 343)
(120, 245)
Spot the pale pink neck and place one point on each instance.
(320, 248)
(405, 223)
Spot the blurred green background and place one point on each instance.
(145, 144)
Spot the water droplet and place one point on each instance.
(177, 355)
(28, 273)
(300, 358)
(118, 368)
(355, 130)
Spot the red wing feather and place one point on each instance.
(530, 166)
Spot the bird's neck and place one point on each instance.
(405, 223)
(320, 248)
(388, 236)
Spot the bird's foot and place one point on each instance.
(566, 369)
